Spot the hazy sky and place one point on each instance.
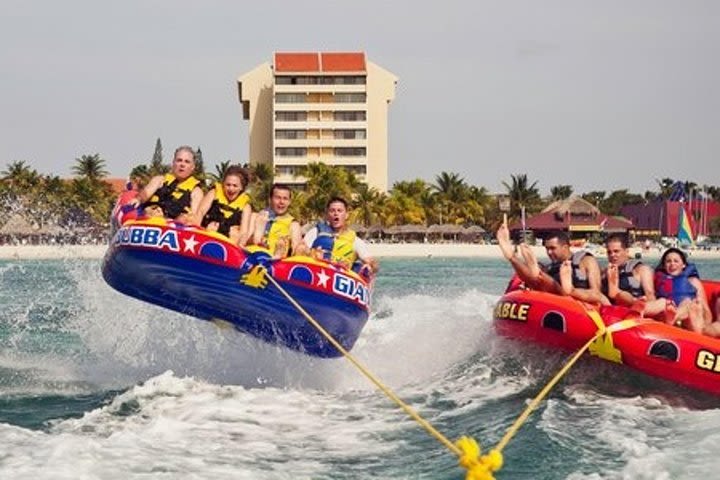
(601, 95)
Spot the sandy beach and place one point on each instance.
(380, 250)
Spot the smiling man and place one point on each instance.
(333, 241)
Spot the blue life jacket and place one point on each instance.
(678, 287)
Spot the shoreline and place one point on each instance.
(379, 250)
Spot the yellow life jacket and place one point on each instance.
(336, 247)
(174, 196)
(224, 212)
(276, 228)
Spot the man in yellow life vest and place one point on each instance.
(275, 229)
(176, 195)
(226, 208)
(334, 242)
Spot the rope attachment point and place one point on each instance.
(479, 467)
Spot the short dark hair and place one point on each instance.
(562, 237)
(336, 200)
(280, 186)
(617, 237)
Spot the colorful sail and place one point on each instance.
(685, 234)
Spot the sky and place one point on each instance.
(600, 95)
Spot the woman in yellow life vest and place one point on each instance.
(275, 229)
(226, 208)
(176, 195)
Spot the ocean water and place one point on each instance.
(96, 385)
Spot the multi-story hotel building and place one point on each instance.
(319, 107)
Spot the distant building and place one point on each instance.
(574, 215)
(319, 107)
(660, 217)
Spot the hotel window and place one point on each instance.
(349, 151)
(350, 135)
(290, 152)
(356, 169)
(286, 170)
(290, 134)
(350, 97)
(290, 116)
(290, 98)
(293, 80)
(350, 116)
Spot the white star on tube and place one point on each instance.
(190, 244)
(322, 279)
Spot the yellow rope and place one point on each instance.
(616, 327)
(479, 467)
(390, 394)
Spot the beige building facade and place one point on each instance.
(329, 107)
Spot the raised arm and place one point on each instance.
(204, 206)
(245, 222)
(148, 191)
(295, 238)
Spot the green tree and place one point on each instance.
(452, 192)
(712, 191)
(561, 192)
(412, 188)
(91, 167)
(157, 167)
(219, 172)
(323, 182)
(89, 192)
(261, 182)
(522, 193)
(596, 197)
(19, 177)
(140, 174)
(666, 186)
(367, 203)
(617, 199)
(200, 173)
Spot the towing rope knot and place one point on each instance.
(478, 467)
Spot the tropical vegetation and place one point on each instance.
(447, 199)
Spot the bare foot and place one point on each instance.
(281, 247)
(670, 314)
(503, 238)
(613, 279)
(712, 330)
(638, 306)
(530, 260)
(696, 320)
(566, 286)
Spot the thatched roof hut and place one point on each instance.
(17, 225)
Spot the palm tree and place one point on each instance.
(219, 172)
(522, 194)
(20, 177)
(412, 188)
(140, 174)
(261, 181)
(666, 186)
(561, 192)
(450, 185)
(366, 204)
(91, 167)
(452, 192)
(596, 197)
